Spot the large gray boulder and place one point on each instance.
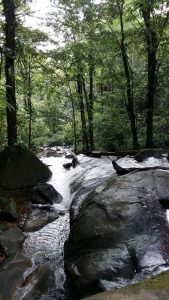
(118, 232)
(21, 168)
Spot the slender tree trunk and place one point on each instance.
(73, 109)
(74, 117)
(74, 124)
(85, 143)
(130, 97)
(10, 23)
(29, 94)
(87, 101)
(91, 100)
(1, 64)
(152, 47)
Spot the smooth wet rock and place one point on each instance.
(156, 288)
(20, 168)
(9, 281)
(67, 165)
(74, 162)
(39, 218)
(118, 231)
(45, 193)
(11, 240)
(38, 281)
(17, 260)
(144, 154)
(70, 155)
(8, 208)
(53, 153)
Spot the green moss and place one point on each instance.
(157, 284)
(2, 228)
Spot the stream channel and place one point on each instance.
(47, 244)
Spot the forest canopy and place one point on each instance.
(103, 86)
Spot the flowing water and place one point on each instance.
(47, 244)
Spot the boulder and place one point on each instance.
(144, 154)
(10, 280)
(118, 232)
(70, 155)
(156, 288)
(20, 168)
(67, 165)
(8, 209)
(38, 281)
(53, 153)
(74, 162)
(45, 193)
(17, 260)
(11, 240)
(39, 218)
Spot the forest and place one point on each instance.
(103, 86)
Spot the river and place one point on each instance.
(47, 244)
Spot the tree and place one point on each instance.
(128, 74)
(10, 23)
(153, 37)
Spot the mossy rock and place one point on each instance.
(8, 209)
(155, 288)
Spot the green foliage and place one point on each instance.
(48, 80)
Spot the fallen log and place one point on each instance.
(122, 171)
(98, 154)
(123, 153)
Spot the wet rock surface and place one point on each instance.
(156, 288)
(119, 232)
(12, 269)
(144, 154)
(16, 260)
(38, 218)
(46, 245)
(38, 281)
(11, 240)
(45, 193)
(9, 281)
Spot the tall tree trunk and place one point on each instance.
(74, 117)
(29, 95)
(85, 143)
(152, 47)
(89, 105)
(10, 23)
(74, 124)
(73, 109)
(91, 100)
(130, 97)
(1, 63)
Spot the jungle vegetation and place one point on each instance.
(104, 86)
